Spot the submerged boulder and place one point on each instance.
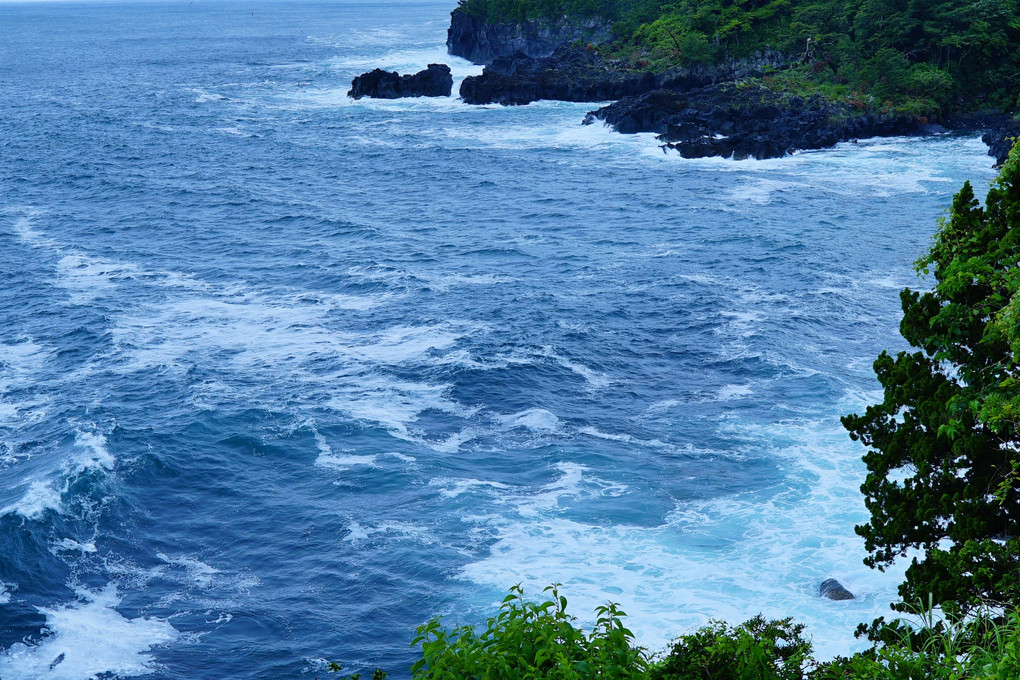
(434, 81)
(834, 590)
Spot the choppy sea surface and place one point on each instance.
(283, 375)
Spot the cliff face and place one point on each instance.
(572, 74)
(577, 74)
(474, 39)
(1000, 138)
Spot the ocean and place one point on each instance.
(283, 375)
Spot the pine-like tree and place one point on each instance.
(944, 445)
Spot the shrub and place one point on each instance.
(944, 444)
(531, 641)
(754, 650)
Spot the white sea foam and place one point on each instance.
(451, 443)
(573, 483)
(23, 359)
(557, 128)
(728, 392)
(87, 278)
(20, 366)
(595, 432)
(198, 572)
(534, 419)
(96, 455)
(759, 191)
(727, 557)
(596, 380)
(340, 302)
(631, 439)
(23, 225)
(87, 639)
(389, 530)
(264, 333)
(186, 572)
(90, 452)
(329, 458)
(204, 96)
(343, 462)
(5, 594)
(39, 498)
(71, 545)
(392, 404)
(452, 488)
(410, 61)
(403, 343)
(741, 324)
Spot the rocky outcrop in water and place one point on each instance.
(570, 74)
(1000, 138)
(746, 120)
(435, 81)
(481, 42)
(834, 590)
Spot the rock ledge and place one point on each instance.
(435, 81)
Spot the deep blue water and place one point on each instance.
(283, 375)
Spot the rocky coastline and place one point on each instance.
(720, 110)
(743, 120)
(480, 42)
(581, 74)
(1000, 137)
(570, 74)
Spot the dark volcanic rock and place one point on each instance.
(475, 39)
(1000, 139)
(834, 590)
(580, 74)
(746, 120)
(570, 74)
(435, 81)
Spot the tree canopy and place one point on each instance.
(933, 52)
(944, 445)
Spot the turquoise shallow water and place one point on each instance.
(282, 375)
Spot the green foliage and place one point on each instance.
(918, 56)
(531, 641)
(945, 442)
(884, 74)
(754, 650)
(672, 35)
(984, 646)
(528, 641)
(996, 656)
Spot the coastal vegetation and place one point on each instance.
(925, 58)
(944, 444)
(529, 640)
